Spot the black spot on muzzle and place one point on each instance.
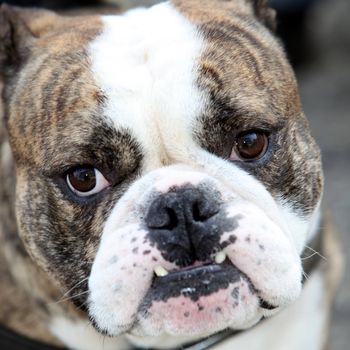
(186, 224)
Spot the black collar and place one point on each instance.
(10, 340)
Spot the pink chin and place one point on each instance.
(232, 307)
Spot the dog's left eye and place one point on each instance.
(86, 181)
(249, 146)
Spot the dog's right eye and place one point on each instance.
(249, 146)
(86, 181)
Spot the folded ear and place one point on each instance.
(19, 29)
(264, 13)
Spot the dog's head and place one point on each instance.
(166, 176)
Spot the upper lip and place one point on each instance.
(219, 258)
(191, 272)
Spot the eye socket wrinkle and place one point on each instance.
(247, 120)
(217, 135)
(232, 114)
(109, 152)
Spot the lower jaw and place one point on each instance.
(166, 341)
(235, 306)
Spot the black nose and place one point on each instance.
(185, 224)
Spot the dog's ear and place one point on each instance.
(265, 13)
(19, 29)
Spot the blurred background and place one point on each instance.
(316, 34)
(317, 38)
(324, 80)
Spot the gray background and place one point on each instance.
(325, 92)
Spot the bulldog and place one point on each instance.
(159, 183)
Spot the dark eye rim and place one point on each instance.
(244, 133)
(62, 186)
(68, 194)
(71, 171)
(270, 148)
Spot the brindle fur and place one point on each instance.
(33, 291)
(47, 79)
(260, 83)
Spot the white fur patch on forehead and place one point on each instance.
(145, 63)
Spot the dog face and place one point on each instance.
(166, 176)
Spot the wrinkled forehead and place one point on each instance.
(161, 67)
(176, 62)
(241, 62)
(55, 93)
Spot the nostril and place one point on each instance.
(162, 218)
(184, 223)
(173, 219)
(181, 208)
(196, 214)
(201, 211)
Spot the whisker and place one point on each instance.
(308, 257)
(76, 285)
(69, 298)
(103, 341)
(316, 252)
(307, 277)
(83, 304)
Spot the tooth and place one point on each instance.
(160, 271)
(220, 257)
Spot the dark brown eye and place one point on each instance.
(86, 181)
(249, 146)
